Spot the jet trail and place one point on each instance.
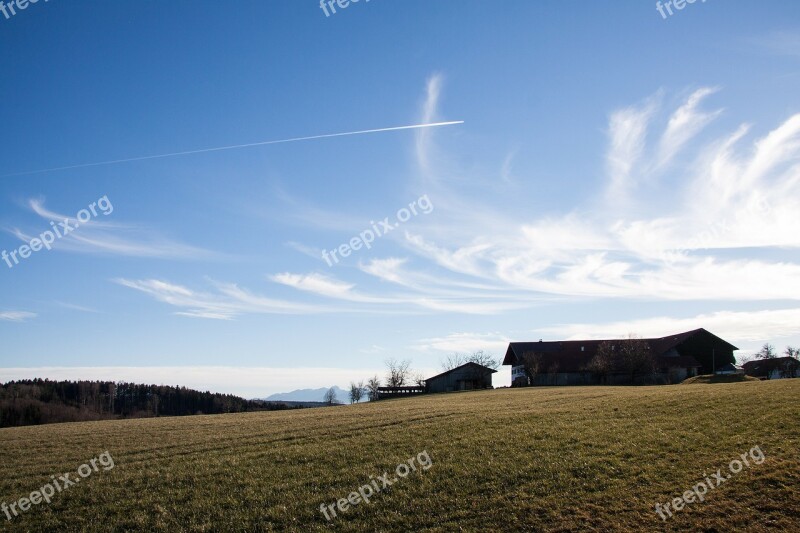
(235, 147)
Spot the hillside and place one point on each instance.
(544, 459)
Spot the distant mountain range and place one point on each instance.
(309, 395)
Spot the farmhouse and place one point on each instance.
(775, 368)
(673, 358)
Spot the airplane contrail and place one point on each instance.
(221, 148)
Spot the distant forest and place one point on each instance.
(41, 401)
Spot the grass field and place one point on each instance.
(545, 459)
(716, 378)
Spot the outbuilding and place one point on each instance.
(469, 376)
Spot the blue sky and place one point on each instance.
(616, 172)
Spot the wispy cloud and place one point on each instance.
(627, 133)
(16, 316)
(226, 303)
(102, 236)
(429, 113)
(684, 124)
(493, 343)
(716, 212)
(74, 307)
(607, 250)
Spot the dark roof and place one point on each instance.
(761, 367)
(470, 364)
(572, 356)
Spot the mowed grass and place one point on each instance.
(544, 459)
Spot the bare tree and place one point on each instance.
(484, 359)
(419, 379)
(767, 352)
(453, 361)
(398, 373)
(789, 368)
(792, 352)
(602, 362)
(532, 363)
(330, 397)
(373, 385)
(480, 357)
(633, 357)
(356, 392)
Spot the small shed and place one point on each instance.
(470, 376)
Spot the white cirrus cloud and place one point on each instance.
(102, 236)
(464, 342)
(16, 316)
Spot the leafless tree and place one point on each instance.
(453, 361)
(330, 397)
(480, 357)
(356, 392)
(419, 379)
(790, 367)
(484, 359)
(398, 373)
(633, 357)
(532, 362)
(373, 385)
(602, 362)
(767, 352)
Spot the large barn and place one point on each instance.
(674, 358)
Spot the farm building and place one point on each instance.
(776, 368)
(673, 359)
(470, 376)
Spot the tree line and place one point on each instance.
(41, 401)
